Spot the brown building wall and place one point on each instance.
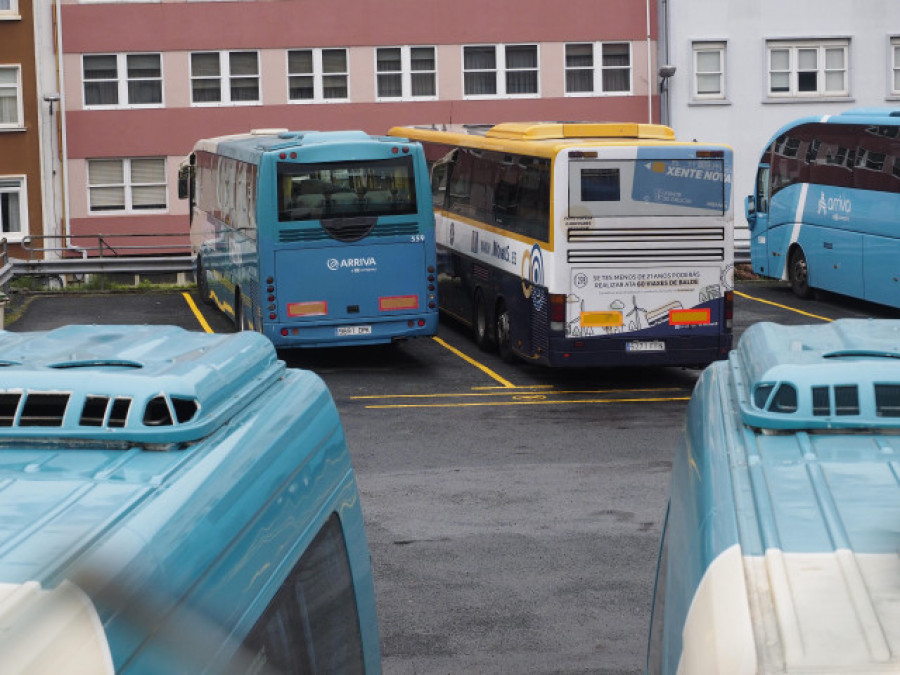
(20, 150)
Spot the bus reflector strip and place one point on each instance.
(689, 317)
(601, 319)
(389, 303)
(313, 308)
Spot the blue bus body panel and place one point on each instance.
(181, 544)
(795, 490)
(296, 262)
(848, 234)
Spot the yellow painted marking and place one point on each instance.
(200, 319)
(483, 368)
(790, 309)
(545, 402)
(519, 391)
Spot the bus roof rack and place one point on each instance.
(842, 376)
(155, 385)
(560, 130)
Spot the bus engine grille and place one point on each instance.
(287, 236)
(626, 256)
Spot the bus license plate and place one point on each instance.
(344, 331)
(645, 346)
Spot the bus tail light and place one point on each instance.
(698, 316)
(729, 309)
(387, 304)
(313, 308)
(557, 311)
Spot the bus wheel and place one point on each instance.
(480, 323)
(798, 274)
(238, 311)
(202, 285)
(504, 343)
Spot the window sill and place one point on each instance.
(809, 99)
(712, 101)
(10, 17)
(13, 130)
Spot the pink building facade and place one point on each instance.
(144, 80)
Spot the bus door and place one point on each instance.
(351, 283)
(757, 211)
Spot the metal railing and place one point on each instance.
(96, 254)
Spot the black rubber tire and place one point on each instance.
(238, 311)
(798, 274)
(202, 286)
(501, 330)
(480, 322)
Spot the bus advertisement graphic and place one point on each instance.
(687, 183)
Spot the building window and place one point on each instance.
(808, 69)
(9, 9)
(135, 184)
(709, 70)
(500, 70)
(10, 97)
(225, 77)
(613, 76)
(406, 72)
(316, 75)
(122, 79)
(895, 66)
(13, 204)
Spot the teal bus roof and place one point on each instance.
(250, 147)
(842, 375)
(165, 385)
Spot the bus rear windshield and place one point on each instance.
(326, 190)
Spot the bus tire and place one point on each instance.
(480, 322)
(202, 285)
(238, 311)
(504, 342)
(798, 274)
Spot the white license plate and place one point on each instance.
(344, 331)
(645, 346)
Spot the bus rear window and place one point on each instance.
(600, 185)
(346, 189)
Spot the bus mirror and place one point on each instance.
(750, 209)
(184, 177)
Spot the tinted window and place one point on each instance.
(511, 192)
(346, 189)
(846, 400)
(887, 400)
(312, 625)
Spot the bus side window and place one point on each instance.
(762, 190)
(312, 623)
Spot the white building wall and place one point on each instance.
(747, 116)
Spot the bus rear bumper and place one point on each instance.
(694, 351)
(346, 334)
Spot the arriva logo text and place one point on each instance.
(837, 208)
(352, 263)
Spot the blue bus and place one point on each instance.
(779, 548)
(314, 238)
(584, 244)
(176, 502)
(826, 205)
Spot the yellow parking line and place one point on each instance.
(483, 368)
(197, 314)
(528, 402)
(519, 391)
(775, 304)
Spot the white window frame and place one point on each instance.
(122, 81)
(19, 122)
(793, 69)
(7, 187)
(10, 13)
(700, 48)
(128, 186)
(225, 77)
(894, 70)
(406, 73)
(501, 71)
(318, 75)
(597, 69)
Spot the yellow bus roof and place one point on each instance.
(543, 139)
